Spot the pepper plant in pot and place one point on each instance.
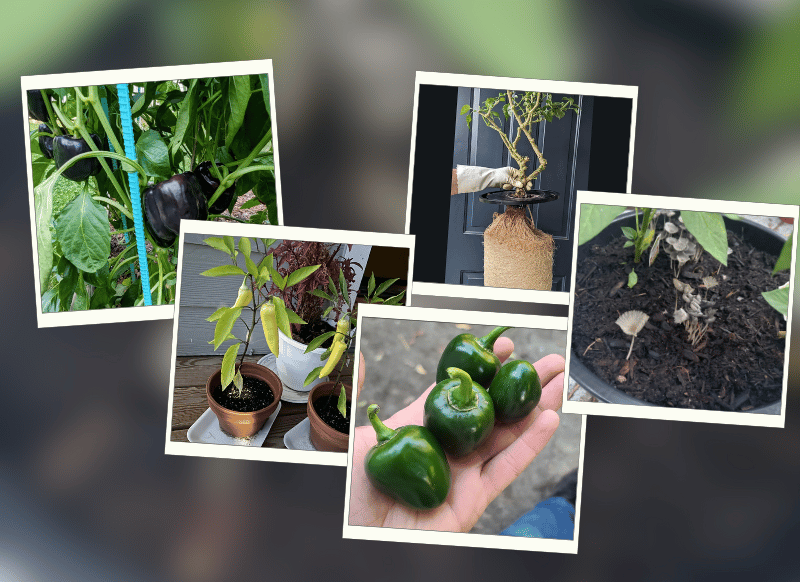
(329, 403)
(670, 310)
(243, 395)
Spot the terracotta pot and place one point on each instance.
(294, 365)
(324, 437)
(244, 424)
(759, 236)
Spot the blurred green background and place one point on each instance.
(87, 493)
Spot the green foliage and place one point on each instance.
(709, 230)
(784, 261)
(778, 299)
(177, 124)
(595, 218)
(640, 237)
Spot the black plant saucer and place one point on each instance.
(505, 197)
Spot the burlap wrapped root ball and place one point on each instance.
(516, 254)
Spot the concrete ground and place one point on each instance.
(401, 359)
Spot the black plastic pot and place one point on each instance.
(759, 236)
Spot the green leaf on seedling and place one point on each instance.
(217, 243)
(321, 294)
(709, 230)
(594, 218)
(327, 311)
(281, 317)
(277, 278)
(396, 299)
(371, 284)
(318, 341)
(223, 271)
(293, 317)
(343, 285)
(229, 365)
(332, 286)
(217, 314)
(342, 404)
(225, 325)
(469, 120)
(83, 232)
(228, 240)
(629, 232)
(250, 203)
(299, 275)
(238, 381)
(628, 243)
(385, 285)
(632, 279)
(313, 375)
(244, 246)
(785, 259)
(464, 109)
(778, 299)
(252, 268)
(152, 154)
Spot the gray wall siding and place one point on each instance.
(201, 296)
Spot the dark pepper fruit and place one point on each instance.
(515, 391)
(460, 413)
(167, 202)
(407, 464)
(209, 184)
(46, 141)
(66, 147)
(473, 355)
(36, 106)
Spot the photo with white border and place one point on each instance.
(716, 338)
(507, 493)
(370, 266)
(493, 250)
(96, 296)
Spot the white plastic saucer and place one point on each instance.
(289, 394)
(299, 437)
(206, 430)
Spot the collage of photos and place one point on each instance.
(156, 194)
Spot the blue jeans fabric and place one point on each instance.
(552, 518)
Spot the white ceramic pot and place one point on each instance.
(294, 365)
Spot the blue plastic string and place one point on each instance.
(114, 166)
(133, 182)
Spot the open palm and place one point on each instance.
(476, 479)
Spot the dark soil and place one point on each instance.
(330, 415)
(311, 330)
(256, 394)
(737, 365)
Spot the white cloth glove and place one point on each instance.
(476, 178)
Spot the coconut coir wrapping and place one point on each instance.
(516, 254)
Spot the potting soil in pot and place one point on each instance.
(312, 329)
(736, 365)
(330, 415)
(516, 254)
(256, 394)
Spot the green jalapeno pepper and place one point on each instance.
(408, 464)
(473, 355)
(515, 391)
(460, 413)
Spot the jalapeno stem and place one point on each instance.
(462, 396)
(383, 432)
(488, 340)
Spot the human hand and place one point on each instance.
(475, 479)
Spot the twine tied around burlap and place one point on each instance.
(516, 254)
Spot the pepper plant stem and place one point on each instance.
(488, 340)
(463, 397)
(383, 432)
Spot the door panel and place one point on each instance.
(565, 145)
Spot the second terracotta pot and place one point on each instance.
(323, 436)
(244, 424)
